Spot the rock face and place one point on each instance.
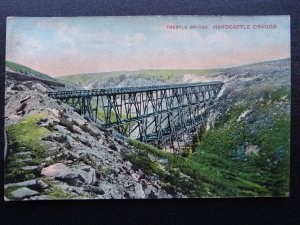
(81, 161)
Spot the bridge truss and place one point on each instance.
(163, 115)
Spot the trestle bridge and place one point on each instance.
(162, 115)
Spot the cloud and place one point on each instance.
(65, 46)
(134, 39)
(137, 37)
(73, 35)
(20, 45)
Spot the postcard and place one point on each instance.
(147, 107)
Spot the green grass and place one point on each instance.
(113, 117)
(263, 174)
(58, 193)
(25, 135)
(28, 134)
(23, 69)
(175, 165)
(220, 167)
(8, 192)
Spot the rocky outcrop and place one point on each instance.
(81, 161)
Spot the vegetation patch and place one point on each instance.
(58, 193)
(168, 75)
(8, 192)
(220, 166)
(24, 136)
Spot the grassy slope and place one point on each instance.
(220, 167)
(23, 69)
(169, 75)
(25, 135)
(166, 75)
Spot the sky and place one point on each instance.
(72, 45)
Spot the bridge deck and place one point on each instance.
(125, 90)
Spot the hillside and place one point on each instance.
(54, 153)
(105, 79)
(15, 67)
(17, 72)
(160, 75)
(243, 151)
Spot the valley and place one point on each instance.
(243, 151)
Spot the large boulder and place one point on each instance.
(23, 192)
(60, 171)
(73, 176)
(88, 174)
(39, 87)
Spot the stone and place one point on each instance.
(53, 122)
(41, 184)
(72, 155)
(89, 176)
(86, 168)
(139, 190)
(74, 176)
(95, 190)
(149, 189)
(23, 192)
(112, 146)
(152, 195)
(40, 197)
(39, 87)
(79, 122)
(101, 141)
(60, 128)
(28, 160)
(90, 130)
(77, 129)
(84, 140)
(76, 190)
(29, 168)
(61, 138)
(22, 154)
(27, 183)
(114, 194)
(25, 99)
(135, 176)
(59, 170)
(67, 122)
(128, 164)
(54, 112)
(10, 92)
(163, 162)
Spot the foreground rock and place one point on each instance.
(81, 160)
(23, 192)
(74, 176)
